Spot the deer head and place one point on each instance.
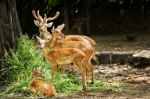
(57, 32)
(42, 23)
(36, 73)
(50, 39)
(41, 41)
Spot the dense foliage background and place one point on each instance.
(90, 17)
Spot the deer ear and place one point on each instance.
(33, 69)
(36, 23)
(38, 70)
(60, 27)
(52, 30)
(50, 24)
(49, 36)
(39, 39)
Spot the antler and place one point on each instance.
(43, 23)
(51, 18)
(38, 16)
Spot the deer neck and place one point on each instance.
(45, 51)
(44, 34)
(48, 46)
(53, 42)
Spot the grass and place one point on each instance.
(107, 86)
(25, 58)
(22, 60)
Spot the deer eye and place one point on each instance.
(48, 39)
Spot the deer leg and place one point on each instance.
(78, 63)
(87, 60)
(97, 62)
(92, 79)
(53, 70)
(61, 68)
(41, 94)
(84, 84)
(87, 63)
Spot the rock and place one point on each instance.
(141, 79)
(141, 59)
(138, 59)
(142, 54)
(114, 57)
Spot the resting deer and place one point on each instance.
(43, 30)
(62, 56)
(40, 86)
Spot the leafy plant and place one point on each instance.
(21, 61)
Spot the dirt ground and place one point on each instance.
(122, 43)
(136, 82)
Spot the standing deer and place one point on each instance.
(60, 42)
(43, 30)
(40, 86)
(62, 56)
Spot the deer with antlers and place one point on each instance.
(44, 33)
(42, 23)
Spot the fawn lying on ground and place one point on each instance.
(41, 87)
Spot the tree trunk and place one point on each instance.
(88, 18)
(66, 16)
(9, 29)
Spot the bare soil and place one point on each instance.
(121, 43)
(136, 83)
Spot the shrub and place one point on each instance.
(21, 61)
